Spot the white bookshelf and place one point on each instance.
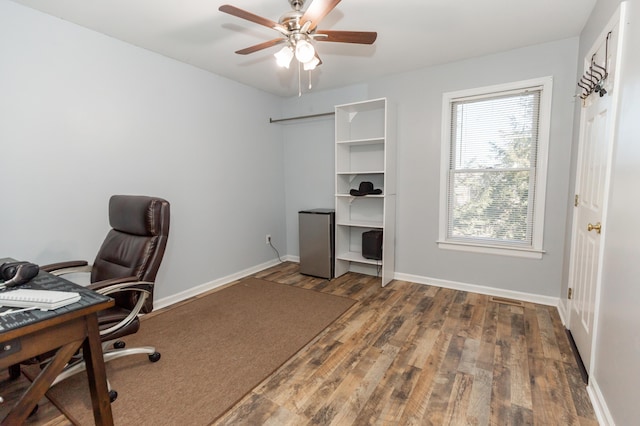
(365, 151)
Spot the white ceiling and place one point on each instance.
(412, 34)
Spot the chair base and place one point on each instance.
(108, 355)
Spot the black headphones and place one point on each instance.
(16, 273)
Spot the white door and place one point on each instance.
(594, 162)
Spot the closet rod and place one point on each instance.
(271, 120)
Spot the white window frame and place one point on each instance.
(534, 251)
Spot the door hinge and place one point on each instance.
(576, 201)
(570, 293)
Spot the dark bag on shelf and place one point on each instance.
(372, 245)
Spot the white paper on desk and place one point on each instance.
(41, 299)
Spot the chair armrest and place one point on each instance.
(142, 287)
(121, 285)
(99, 285)
(68, 267)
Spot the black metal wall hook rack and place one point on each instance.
(594, 78)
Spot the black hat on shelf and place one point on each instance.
(365, 188)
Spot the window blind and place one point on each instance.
(492, 170)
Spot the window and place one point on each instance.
(494, 165)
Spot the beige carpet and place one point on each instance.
(214, 350)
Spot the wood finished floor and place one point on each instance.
(413, 354)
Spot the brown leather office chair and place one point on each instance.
(125, 268)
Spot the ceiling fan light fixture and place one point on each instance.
(304, 51)
(284, 56)
(299, 30)
(312, 64)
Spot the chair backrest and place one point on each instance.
(135, 245)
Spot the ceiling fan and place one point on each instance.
(298, 29)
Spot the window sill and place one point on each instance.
(488, 249)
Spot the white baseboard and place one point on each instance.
(474, 288)
(194, 291)
(599, 404)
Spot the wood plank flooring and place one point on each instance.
(416, 355)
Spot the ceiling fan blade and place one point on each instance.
(232, 10)
(360, 37)
(260, 46)
(317, 10)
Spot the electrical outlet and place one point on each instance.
(267, 239)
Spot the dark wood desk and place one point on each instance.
(27, 334)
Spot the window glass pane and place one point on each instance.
(492, 205)
(497, 132)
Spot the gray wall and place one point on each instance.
(309, 154)
(84, 116)
(417, 97)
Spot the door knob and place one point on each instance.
(597, 227)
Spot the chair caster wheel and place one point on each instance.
(154, 357)
(113, 395)
(119, 344)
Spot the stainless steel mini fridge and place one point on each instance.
(317, 246)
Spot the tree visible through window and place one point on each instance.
(493, 144)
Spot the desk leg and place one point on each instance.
(92, 351)
(40, 385)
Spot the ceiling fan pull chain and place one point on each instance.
(299, 80)
(310, 85)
